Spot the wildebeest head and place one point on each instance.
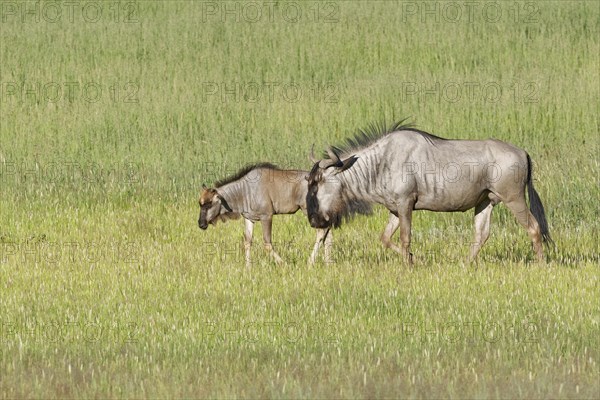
(212, 207)
(325, 202)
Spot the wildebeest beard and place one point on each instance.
(317, 220)
(202, 223)
(352, 206)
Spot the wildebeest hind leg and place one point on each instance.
(483, 217)
(266, 225)
(527, 220)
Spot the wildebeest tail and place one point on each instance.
(535, 204)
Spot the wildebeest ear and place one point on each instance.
(333, 155)
(204, 186)
(332, 161)
(326, 163)
(347, 163)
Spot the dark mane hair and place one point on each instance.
(351, 208)
(375, 131)
(242, 172)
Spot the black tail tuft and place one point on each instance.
(536, 206)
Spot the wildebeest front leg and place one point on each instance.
(401, 220)
(328, 245)
(323, 236)
(390, 229)
(483, 217)
(266, 225)
(248, 239)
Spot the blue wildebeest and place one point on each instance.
(406, 169)
(256, 193)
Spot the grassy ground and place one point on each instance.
(114, 114)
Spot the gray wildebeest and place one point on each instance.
(406, 169)
(257, 192)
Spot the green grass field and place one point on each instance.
(113, 114)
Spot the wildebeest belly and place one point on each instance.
(450, 198)
(285, 208)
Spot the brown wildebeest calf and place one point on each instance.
(257, 192)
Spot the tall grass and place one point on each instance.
(109, 289)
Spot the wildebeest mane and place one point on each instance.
(242, 172)
(375, 131)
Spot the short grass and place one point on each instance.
(108, 128)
